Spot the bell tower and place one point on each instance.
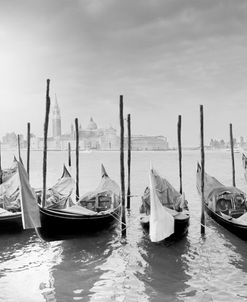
(56, 120)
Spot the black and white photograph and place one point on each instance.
(123, 150)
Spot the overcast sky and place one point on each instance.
(165, 56)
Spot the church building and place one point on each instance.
(94, 138)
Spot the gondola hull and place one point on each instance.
(67, 223)
(237, 229)
(11, 223)
(180, 226)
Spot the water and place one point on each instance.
(101, 268)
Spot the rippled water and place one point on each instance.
(102, 268)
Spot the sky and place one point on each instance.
(166, 57)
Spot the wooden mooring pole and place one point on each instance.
(180, 154)
(129, 159)
(77, 158)
(232, 152)
(28, 148)
(19, 148)
(202, 171)
(122, 165)
(47, 111)
(1, 171)
(69, 154)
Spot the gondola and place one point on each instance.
(164, 211)
(18, 206)
(226, 205)
(94, 211)
(10, 207)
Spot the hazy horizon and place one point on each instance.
(165, 57)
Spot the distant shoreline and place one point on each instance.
(94, 151)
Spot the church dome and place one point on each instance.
(92, 125)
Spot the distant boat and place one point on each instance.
(235, 150)
(86, 151)
(164, 210)
(226, 205)
(94, 210)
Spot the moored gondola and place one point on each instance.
(18, 205)
(226, 205)
(94, 210)
(164, 211)
(10, 207)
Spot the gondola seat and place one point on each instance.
(224, 206)
(235, 213)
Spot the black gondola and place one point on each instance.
(226, 205)
(172, 201)
(94, 210)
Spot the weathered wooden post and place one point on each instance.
(203, 171)
(232, 152)
(1, 172)
(19, 148)
(69, 154)
(47, 111)
(129, 159)
(180, 154)
(28, 148)
(77, 158)
(122, 165)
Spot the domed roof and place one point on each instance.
(92, 125)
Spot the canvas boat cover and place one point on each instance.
(61, 195)
(9, 191)
(166, 193)
(107, 186)
(210, 183)
(8, 173)
(214, 190)
(17, 196)
(161, 222)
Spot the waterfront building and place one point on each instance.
(90, 138)
(149, 143)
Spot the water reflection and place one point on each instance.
(121, 273)
(215, 266)
(77, 271)
(24, 265)
(165, 273)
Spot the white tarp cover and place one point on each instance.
(9, 186)
(9, 192)
(7, 173)
(167, 195)
(61, 195)
(29, 205)
(106, 185)
(161, 223)
(65, 185)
